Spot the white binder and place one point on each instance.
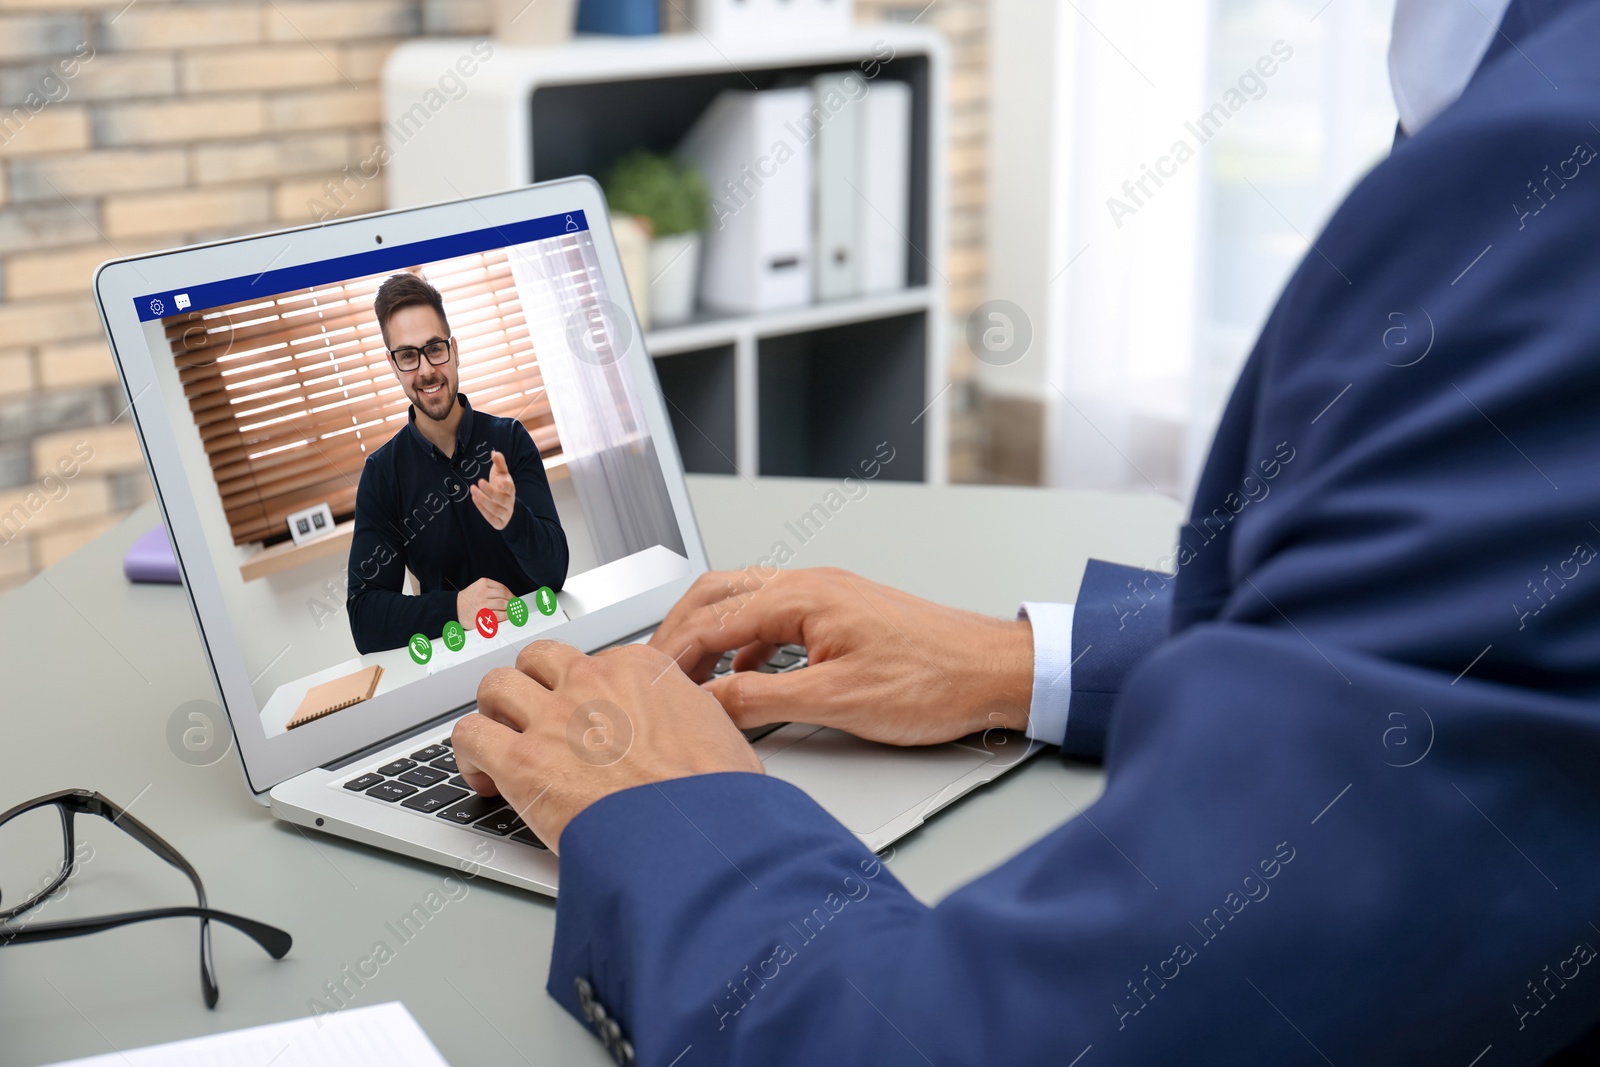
(884, 169)
(755, 151)
(839, 99)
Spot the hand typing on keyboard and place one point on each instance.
(884, 665)
(563, 729)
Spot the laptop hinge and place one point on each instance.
(363, 753)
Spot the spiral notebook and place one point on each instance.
(341, 693)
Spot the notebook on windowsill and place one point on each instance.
(341, 693)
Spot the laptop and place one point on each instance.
(261, 385)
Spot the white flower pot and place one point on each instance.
(674, 267)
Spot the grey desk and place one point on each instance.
(95, 667)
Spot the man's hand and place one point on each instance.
(563, 730)
(496, 495)
(483, 593)
(885, 665)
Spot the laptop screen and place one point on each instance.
(406, 458)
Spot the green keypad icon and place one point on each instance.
(517, 611)
(455, 636)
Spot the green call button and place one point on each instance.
(455, 636)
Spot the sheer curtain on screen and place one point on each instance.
(607, 443)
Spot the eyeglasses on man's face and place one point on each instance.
(39, 852)
(410, 357)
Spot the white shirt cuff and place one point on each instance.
(1052, 670)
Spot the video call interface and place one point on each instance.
(408, 457)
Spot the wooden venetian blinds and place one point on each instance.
(290, 393)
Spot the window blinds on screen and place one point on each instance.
(291, 392)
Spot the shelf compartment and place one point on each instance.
(699, 388)
(829, 397)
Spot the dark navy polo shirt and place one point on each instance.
(413, 511)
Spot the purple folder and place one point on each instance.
(150, 559)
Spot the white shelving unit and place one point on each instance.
(805, 391)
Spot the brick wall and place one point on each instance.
(965, 24)
(130, 127)
(127, 127)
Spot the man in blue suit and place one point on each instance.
(1352, 746)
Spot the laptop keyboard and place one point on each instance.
(428, 783)
(787, 658)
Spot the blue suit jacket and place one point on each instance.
(1352, 808)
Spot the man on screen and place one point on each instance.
(457, 497)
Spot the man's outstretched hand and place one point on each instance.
(496, 495)
(885, 665)
(564, 729)
(483, 593)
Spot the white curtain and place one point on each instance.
(580, 337)
(1279, 172)
(1164, 265)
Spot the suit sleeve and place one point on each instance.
(1121, 616)
(534, 533)
(1271, 852)
(382, 615)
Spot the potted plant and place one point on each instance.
(671, 196)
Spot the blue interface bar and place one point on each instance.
(288, 279)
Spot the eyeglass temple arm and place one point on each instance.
(276, 942)
(118, 816)
(96, 804)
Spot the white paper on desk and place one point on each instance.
(384, 1035)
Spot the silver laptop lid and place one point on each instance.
(264, 394)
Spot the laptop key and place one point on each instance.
(471, 809)
(391, 791)
(528, 837)
(445, 763)
(399, 766)
(432, 752)
(423, 776)
(366, 781)
(501, 822)
(459, 782)
(783, 658)
(448, 743)
(434, 799)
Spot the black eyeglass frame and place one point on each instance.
(70, 803)
(421, 353)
